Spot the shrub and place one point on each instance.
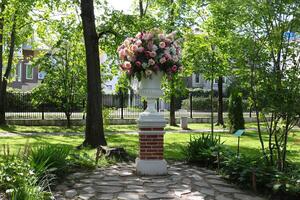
(19, 181)
(203, 104)
(235, 112)
(50, 157)
(202, 150)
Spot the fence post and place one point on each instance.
(83, 109)
(191, 105)
(122, 105)
(43, 111)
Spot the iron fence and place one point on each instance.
(120, 106)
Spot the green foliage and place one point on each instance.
(203, 104)
(235, 112)
(49, 158)
(202, 149)
(20, 181)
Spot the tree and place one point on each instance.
(235, 112)
(15, 29)
(201, 55)
(65, 81)
(94, 133)
(268, 62)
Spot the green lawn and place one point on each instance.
(80, 129)
(173, 143)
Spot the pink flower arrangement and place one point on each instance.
(150, 52)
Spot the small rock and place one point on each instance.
(128, 196)
(70, 193)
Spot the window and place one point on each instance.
(197, 78)
(29, 71)
(19, 72)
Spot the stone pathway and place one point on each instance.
(120, 182)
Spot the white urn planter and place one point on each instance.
(151, 129)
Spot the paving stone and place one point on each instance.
(128, 196)
(201, 183)
(183, 182)
(86, 196)
(89, 190)
(207, 191)
(70, 193)
(194, 196)
(163, 190)
(218, 182)
(154, 195)
(186, 181)
(108, 189)
(226, 189)
(111, 178)
(179, 192)
(222, 197)
(106, 196)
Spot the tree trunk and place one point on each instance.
(172, 111)
(68, 116)
(7, 73)
(94, 133)
(220, 102)
(212, 106)
(172, 106)
(2, 98)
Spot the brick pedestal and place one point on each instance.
(151, 152)
(151, 144)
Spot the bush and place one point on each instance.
(49, 157)
(202, 150)
(235, 112)
(18, 180)
(203, 104)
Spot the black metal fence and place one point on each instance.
(120, 106)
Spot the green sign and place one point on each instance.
(239, 132)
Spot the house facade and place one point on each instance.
(198, 81)
(26, 75)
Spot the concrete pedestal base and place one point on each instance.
(151, 167)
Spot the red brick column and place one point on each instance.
(151, 144)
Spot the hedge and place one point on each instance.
(203, 104)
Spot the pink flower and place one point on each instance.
(174, 68)
(167, 56)
(148, 72)
(161, 36)
(151, 62)
(127, 65)
(152, 54)
(162, 45)
(140, 49)
(138, 42)
(138, 63)
(139, 35)
(162, 60)
(175, 58)
(134, 48)
(154, 48)
(131, 58)
(122, 54)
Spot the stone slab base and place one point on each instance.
(151, 167)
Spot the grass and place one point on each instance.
(80, 129)
(249, 143)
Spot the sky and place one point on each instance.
(121, 4)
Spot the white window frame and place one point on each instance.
(19, 72)
(26, 68)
